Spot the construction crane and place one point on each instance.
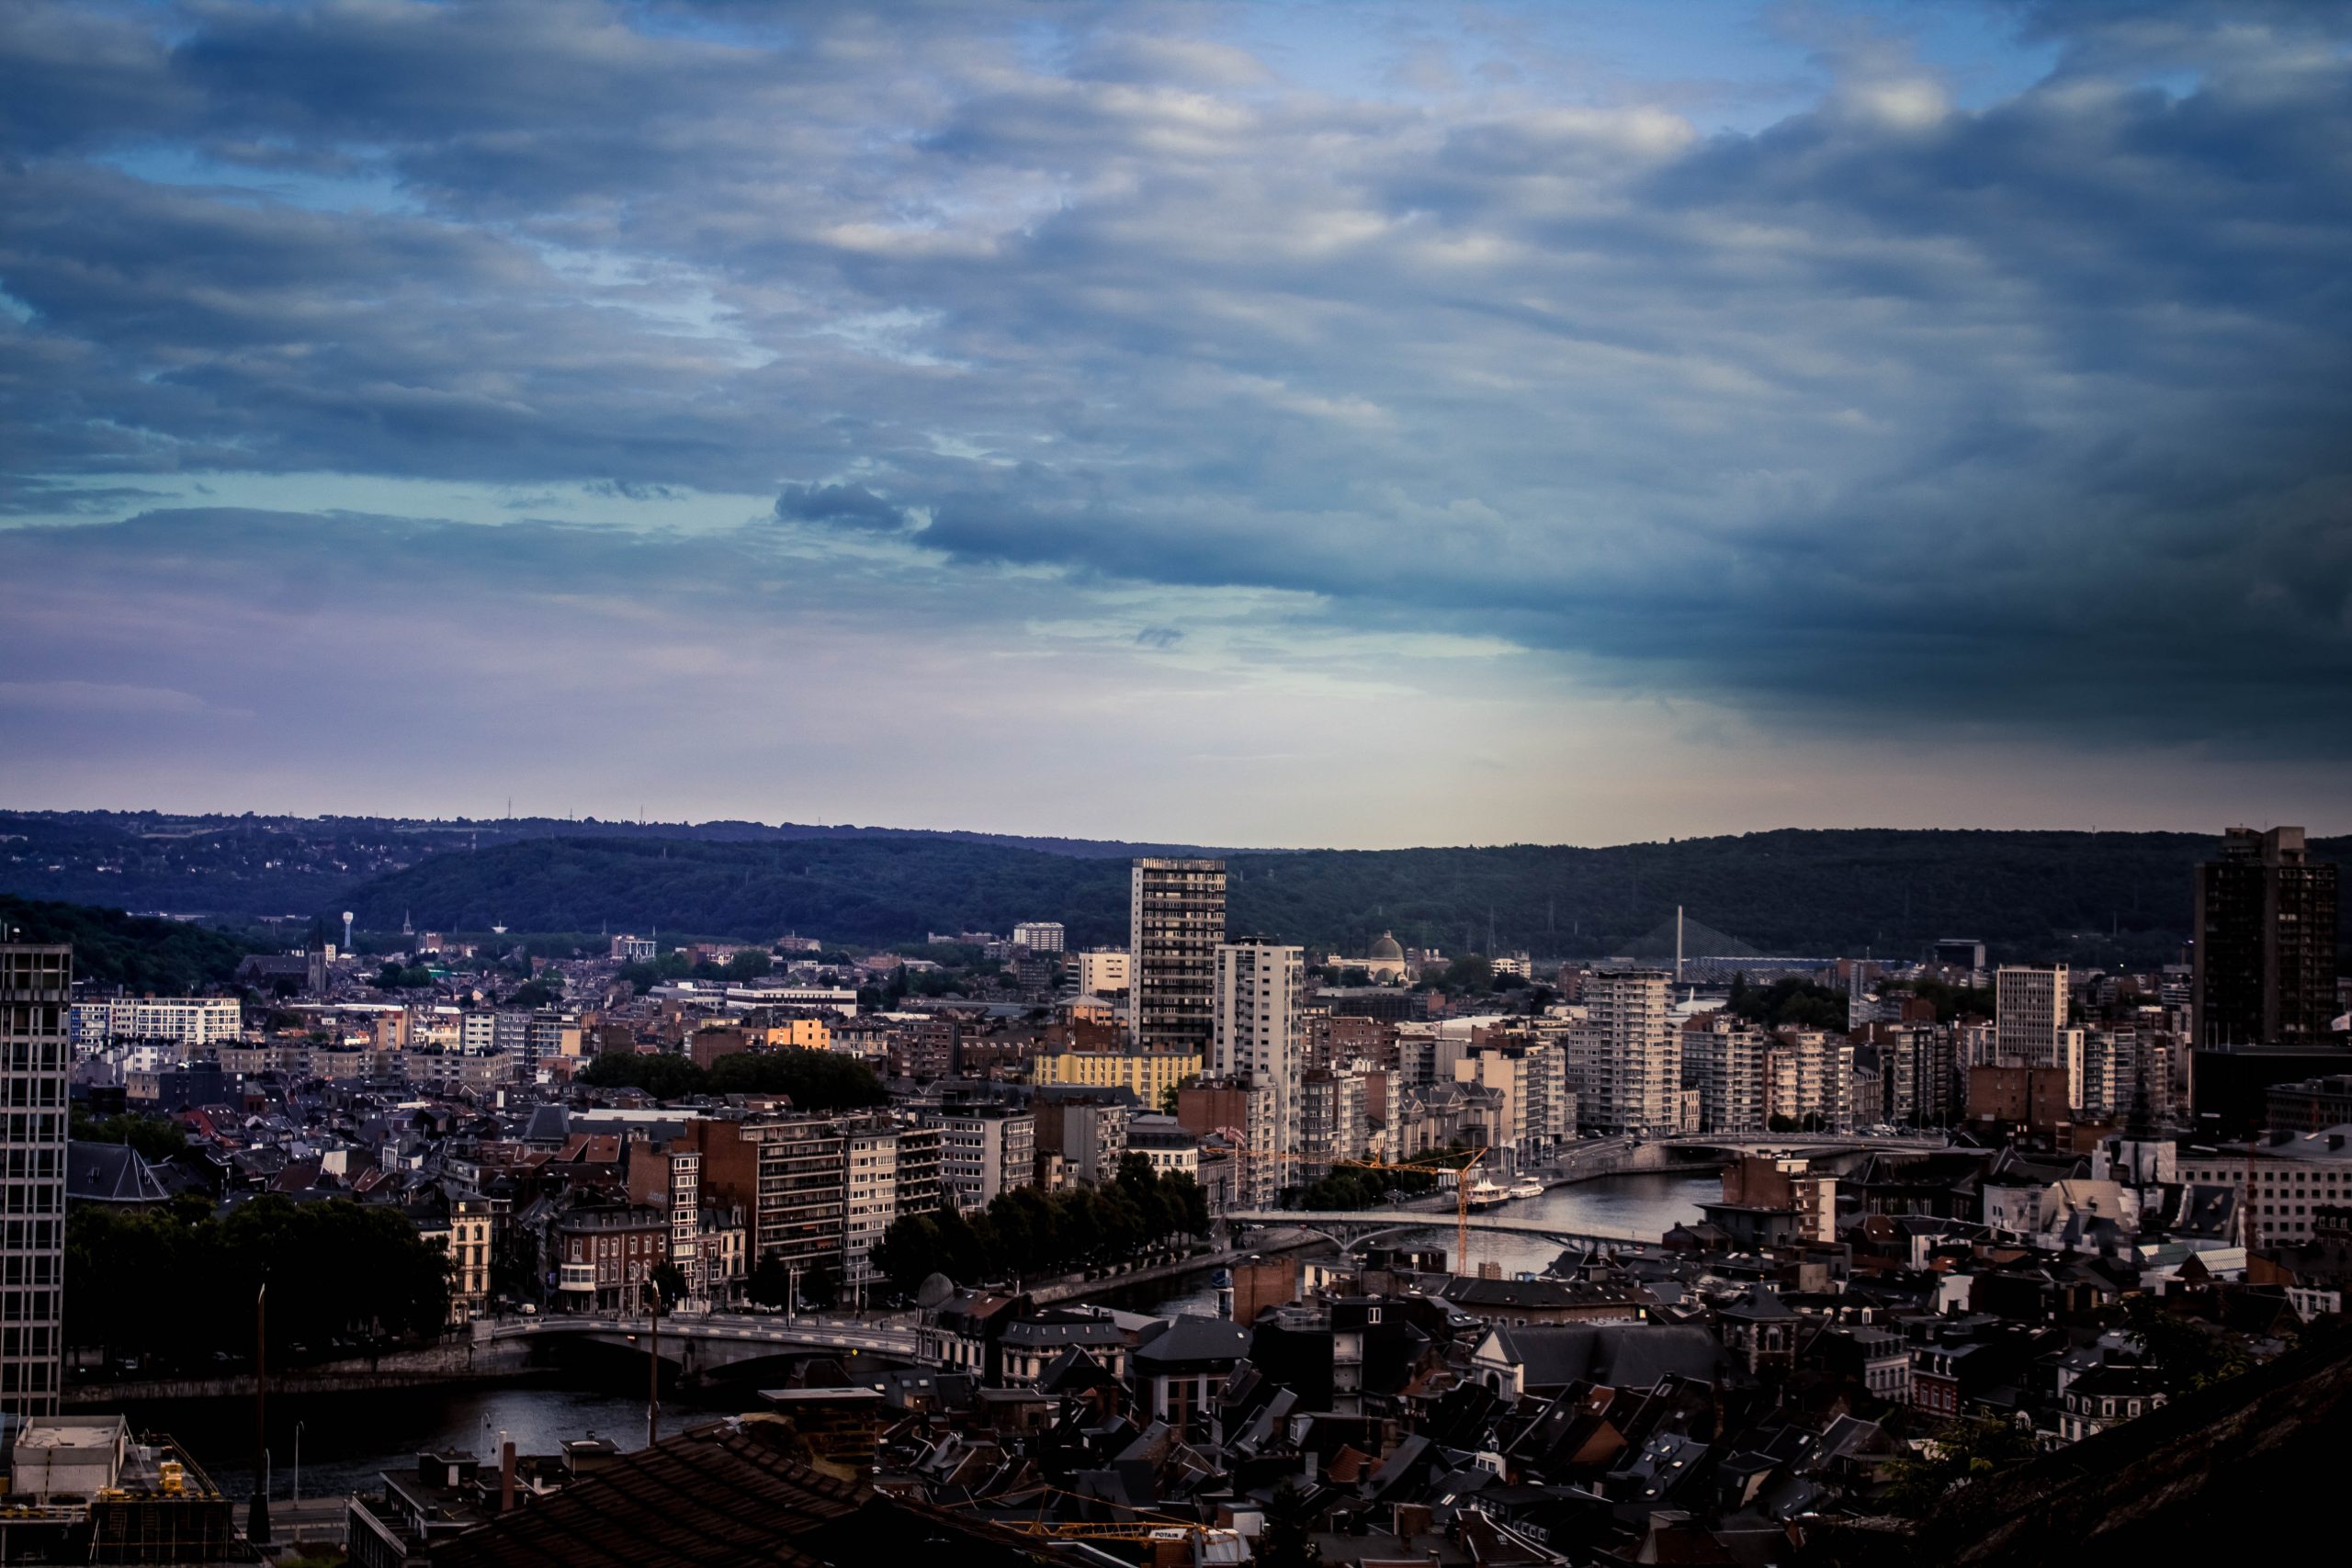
(1461, 1213)
(1145, 1526)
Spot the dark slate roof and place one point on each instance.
(548, 1124)
(1617, 1355)
(1488, 1295)
(1049, 1329)
(718, 1495)
(1191, 1339)
(109, 1173)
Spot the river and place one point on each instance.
(1645, 1204)
(346, 1439)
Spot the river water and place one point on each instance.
(346, 1439)
(1647, 1203)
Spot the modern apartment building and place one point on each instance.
(189, 1021)
(36, 993)
(813, 1191)
(1809, 1082)
(1537, 1108)
(1723, 1060)
(871, 1178)
(1259, 1036)
(1039, 936)
(2029, 1016)
(1176, 911)
(1628, 1056)
(2266, 942)
(984, 1149)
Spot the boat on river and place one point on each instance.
(1486, 1194)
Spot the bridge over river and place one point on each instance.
(702, 1342)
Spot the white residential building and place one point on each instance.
(1104, 970)
(190, 1022)
(871, 1199)
(1809, 1082)
(1724, 1062)
(1259, 1034)
(2029, 1016)
(1628, 1056)
(1039, 936)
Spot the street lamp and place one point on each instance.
(298, 1461)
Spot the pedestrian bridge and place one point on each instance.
(699, 1343)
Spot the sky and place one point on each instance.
(1281, 424)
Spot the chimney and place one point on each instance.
(505, 1476)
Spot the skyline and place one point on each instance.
(652, 826)
(1146, 423)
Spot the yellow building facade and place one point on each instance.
(1149, 1076)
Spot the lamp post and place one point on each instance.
(298, 1461)
(257, 1515)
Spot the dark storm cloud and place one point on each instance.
(2032, 414)
(851, 505)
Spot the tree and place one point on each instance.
(1961, 1452)
(750, 964)
(2187, 1355)
(663, 1075)
(335, 1270)
(907, 1252)
(1471, 972)
(534, 994)
(771, 1282)
(819, 1288)
(669, 1282)
(156, 1138)
(816, 1080)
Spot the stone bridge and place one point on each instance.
(704, 1343)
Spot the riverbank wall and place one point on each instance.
(462, 1361)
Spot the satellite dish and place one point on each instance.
(934, 1289)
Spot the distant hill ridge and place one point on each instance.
(2105, 899)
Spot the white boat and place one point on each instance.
(1527, 1187)
(1486, 1194)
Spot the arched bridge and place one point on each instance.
(1354, 1227)
(703, 1342)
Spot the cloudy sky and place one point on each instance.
(1281, 424)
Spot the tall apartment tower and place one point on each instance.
(2266, 942)
(36, 996)
(1629, 1061)
(1259, 1034)
(2029, 1016)
(1176, 921)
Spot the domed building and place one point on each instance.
(1385, 964)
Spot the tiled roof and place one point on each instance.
(721, 1496)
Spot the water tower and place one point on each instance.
(346, 930)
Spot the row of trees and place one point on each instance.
(177, 1281)
(816, 1080)
(1788, 1003)
(645, 974)
(156, 1138)
(1347, 1187)
(1025, 1232)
